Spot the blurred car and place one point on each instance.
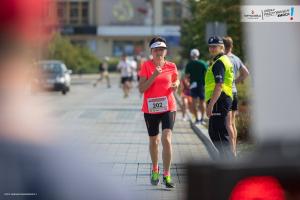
(53, 75)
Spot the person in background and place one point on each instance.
(218, 94)
(185, 95)
(127, 69)
(238, 67)
(104, 73)
(195, 71)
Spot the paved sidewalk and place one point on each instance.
(109, 124)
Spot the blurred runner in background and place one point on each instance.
(126, 68)
(103, 72)
(195, 72)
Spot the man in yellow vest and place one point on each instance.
(218, 94)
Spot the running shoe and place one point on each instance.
(197, 122)
(203, 122)
(155, 178)
(168, 182)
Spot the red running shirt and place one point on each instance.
(159, 98)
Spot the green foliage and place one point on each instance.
(243, 119)
(243, 124)
(193, 30)
(112, 64)
(77, 58)
(245, 91)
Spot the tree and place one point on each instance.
(79, 59)
(193, 29)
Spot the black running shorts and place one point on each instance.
(234, 106)
(167, 120)
(126, 79)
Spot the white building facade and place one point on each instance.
(114, 27)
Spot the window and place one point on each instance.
(85, 13)
(171, 13)
(74, 10)
(73, 13)
(61, 12)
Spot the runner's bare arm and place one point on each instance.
(175, 85)
(144, 84)
(244, 72)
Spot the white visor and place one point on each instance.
(158, 44)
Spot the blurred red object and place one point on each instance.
(32, 20)
(258, 187)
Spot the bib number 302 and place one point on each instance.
(156, 105)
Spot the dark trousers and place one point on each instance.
(217, 126)
(219, 136)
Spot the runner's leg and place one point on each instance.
(202, 108)
(195, 109)
(167, 149)
(154, 148)
(168, 121)
(230, 130)
(234, 130)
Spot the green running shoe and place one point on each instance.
(154, 178)
(168, 182)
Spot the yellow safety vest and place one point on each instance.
(228, 78)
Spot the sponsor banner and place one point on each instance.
(270, 13)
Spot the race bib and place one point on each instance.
(157, 105)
